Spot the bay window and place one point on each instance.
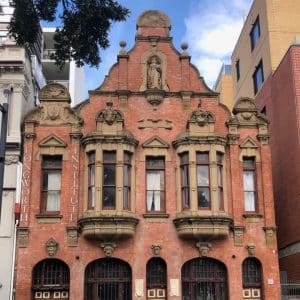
(155, 176)
(51, 183)
(249, 183)
(203, 180)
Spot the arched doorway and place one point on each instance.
(156, 271)
(204, 279)
(252, 278)
(108, 279)
(51, 280)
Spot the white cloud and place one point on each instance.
(212, 31)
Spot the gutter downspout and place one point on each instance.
(18, 198)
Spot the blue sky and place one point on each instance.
(211, 29)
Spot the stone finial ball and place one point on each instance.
(184, 46)
(122, 44)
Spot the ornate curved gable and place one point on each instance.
(55, 108)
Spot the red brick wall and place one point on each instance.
(137, 251)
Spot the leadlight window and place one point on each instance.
(252, 274)
(51, 183)
(249, 183)
(127, 180)
(109, 180)
(91, 180)
(203, 181)
(258, 77)
(255, 33)
(155, 170)
(185, 180)
(220, 180)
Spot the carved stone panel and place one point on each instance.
(72, 236)
(23, 236)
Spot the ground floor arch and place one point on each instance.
(204, 279)
(109, 279)
(50, 280)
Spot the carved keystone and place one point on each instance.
(108, 248)
(203, 248)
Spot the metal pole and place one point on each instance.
(4, 110)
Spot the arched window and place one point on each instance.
(204, 278)
(51, 280)
(252, 278)
(109, 279)
(156, 278)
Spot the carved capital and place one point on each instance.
(11, 159)
(233, 139)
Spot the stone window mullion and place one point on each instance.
(119, 179)
(99, 179)
(193, 180)
(213, 181)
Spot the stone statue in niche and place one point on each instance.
(154, 73)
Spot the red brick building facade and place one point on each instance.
(280, 99)
(151, 189)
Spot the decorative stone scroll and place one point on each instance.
(202, 117)
(109, 115)
(154, 18)
(270, 233)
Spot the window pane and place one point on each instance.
(91, 197)
(249, 181)
(109, 156)
(202, 157)
(126, 174)
(53, 201)
(186, 198)
(203, 197)
(153, 200)
(185, 175)
(54, 181)
(154, 180)
(203, 175)
(155, 163)
(126, 198)
(109, 194)
(109, 174)
(249, 201)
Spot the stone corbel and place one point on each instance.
(51, 247)
(186, 99)
(251, 249)
(204, 248)
(108, 248)
(156, 248)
